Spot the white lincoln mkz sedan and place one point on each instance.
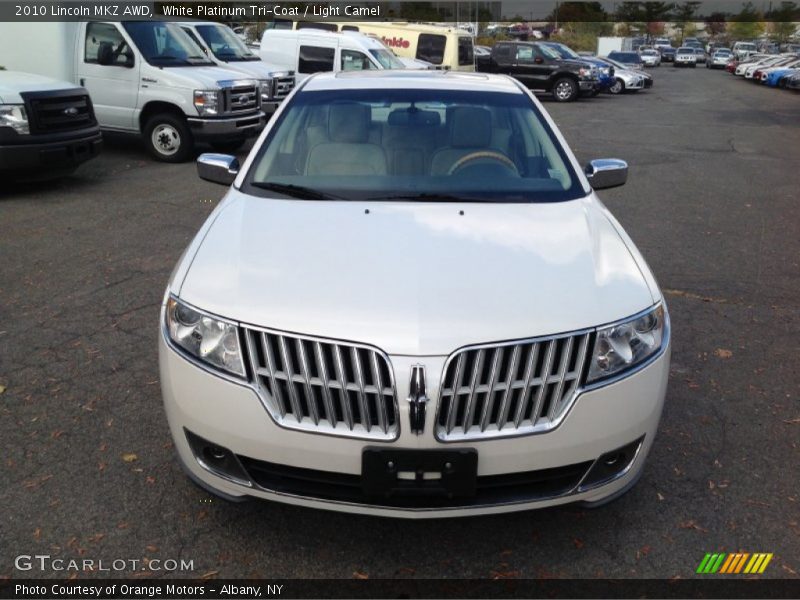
(412, 303)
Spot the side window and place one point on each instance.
(466, 55)
(352, 60)
(525, 53)
(430, 47)
(105, 45)
(349, 28)
(314, 59)
(503, 51)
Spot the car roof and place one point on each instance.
(412, 79)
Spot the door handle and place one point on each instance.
(82, 82)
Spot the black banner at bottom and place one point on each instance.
(75, 589)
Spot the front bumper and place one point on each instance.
(231, 415)
(587, 85)
(224, 129)
(42, 154)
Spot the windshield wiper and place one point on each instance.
(429, 197)
(295, 191)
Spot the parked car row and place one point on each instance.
(774, 70)
(556, 69)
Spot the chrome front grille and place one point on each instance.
(323, 386)
(510, 389)
(241, 99)
(281, 86)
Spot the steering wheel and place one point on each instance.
(483, 154)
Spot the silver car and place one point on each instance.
(719, 59)
(650, 57)
(685, 57)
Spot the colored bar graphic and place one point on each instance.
(703, 563)
(727, 564)
(724, 563)
(718, 564)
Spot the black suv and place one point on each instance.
(542, 69)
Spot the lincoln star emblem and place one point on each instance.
(71, 111)
(417, 399)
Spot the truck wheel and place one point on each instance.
(565, 90)
(618, 87)
(168, 138)
(228, 147)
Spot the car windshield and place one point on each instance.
(564, 51)
(627, 57)
(649, 53)
(686, 50)
(747, 46)
(613, 62)
(386, 59)
(413, 144)
(165, 44)
(548, 51)
(225, 44)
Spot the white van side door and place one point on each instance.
(108, 66)
(314, 56)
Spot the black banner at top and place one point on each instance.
(463, 12)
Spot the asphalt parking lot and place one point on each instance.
(88, 469)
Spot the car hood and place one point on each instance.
(12, 83)
(205, 77)
(415, 278)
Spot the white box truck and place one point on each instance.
(226, 48)
(145, 77)
(607, 45)
(47, 127)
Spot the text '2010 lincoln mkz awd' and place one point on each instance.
(411, 303)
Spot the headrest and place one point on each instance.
(404, 117)
(105, 53)
(471, 127)
(348, 123)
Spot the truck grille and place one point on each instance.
(241, 99)
(281, 86)
(510, 389)
(55, 112)
(323, 386)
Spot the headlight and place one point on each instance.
(585, 72)
(206, 338)
(207, 102)
(265, 86)
(624, 345)
(14, 116)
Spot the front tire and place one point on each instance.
(565, 90)
(168, 138)
(617, 88)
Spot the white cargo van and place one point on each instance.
(442, 45)
(145, 77)
(309, 51)
(47, 127)
(226, 48)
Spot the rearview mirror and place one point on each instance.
(218, 168)
(606, 173)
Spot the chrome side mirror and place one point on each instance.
(606, 173)
(218, 168)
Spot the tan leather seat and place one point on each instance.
(348, 150)
(470, 131)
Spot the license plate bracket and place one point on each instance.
(398, 473)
